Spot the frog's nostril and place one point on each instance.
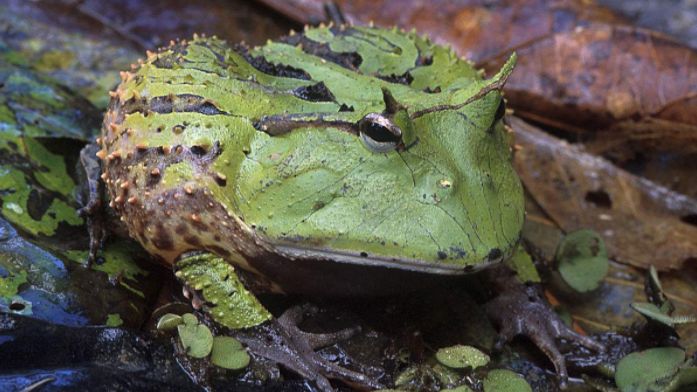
(198, 150)
(494, 254)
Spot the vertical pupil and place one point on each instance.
(379, 133)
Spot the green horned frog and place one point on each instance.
(340, 161)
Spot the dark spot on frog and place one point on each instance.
(404, 78)
(174, 55)
(442, 255)
(216, 238)
(345, 108)
(261, 64)
(12, 145)
(180, 104)
(318, 205)
(160, 129)
(364, 254)
(317, 92)
(430, 90)
(599, 198)
(494, 254)
(221, 181)
(423, 60)
(177, 129)
(193, 240)
(458, 252)
(350, 60)
(200, 226)
(181, 229)
(162, 239)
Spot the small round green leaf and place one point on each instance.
(169, 322)
(653, 312)
(228, 353)
(197, 339)
(189, 319)
(642, 371)
(460, 357)
(582, 260)
(502, 380)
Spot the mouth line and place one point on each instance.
(409, 264)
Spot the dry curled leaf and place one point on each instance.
(642, 223)
(154, 23)
(630, 83)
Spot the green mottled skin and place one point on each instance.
(195, 174)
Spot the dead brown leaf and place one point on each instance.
(641, 222)
(630, 83)
(154, 23)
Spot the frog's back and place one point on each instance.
(191, 163)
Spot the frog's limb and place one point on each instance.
(92, 200)
(222, 295)
(520, 309)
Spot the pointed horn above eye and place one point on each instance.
(496, 83)
(391, 104)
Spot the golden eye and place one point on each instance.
(378, 133)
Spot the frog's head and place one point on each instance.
(410, 179)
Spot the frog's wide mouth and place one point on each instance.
(295, 252)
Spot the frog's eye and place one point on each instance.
(378, 133)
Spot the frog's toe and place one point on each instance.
(286, 344)
(294, 316)
(523, 311)
(91, 200)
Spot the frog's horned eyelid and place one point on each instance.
(391, 104)
(494, 86)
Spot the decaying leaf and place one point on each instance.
(582, 260)
(639, 220)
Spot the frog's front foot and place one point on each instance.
(91, 199)
(286, 344)
(214, 287)
(521, 310)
